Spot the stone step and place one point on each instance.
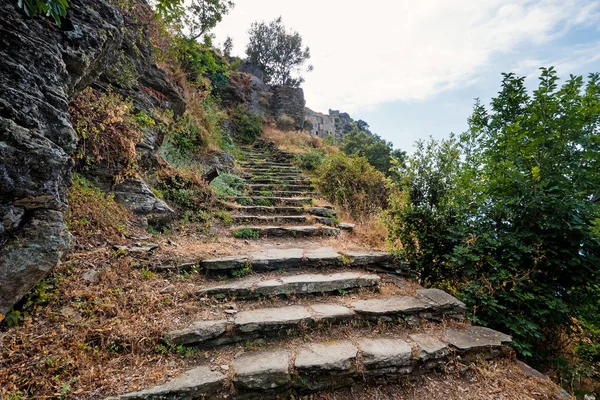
(427, 304)
(264, 164)
(267, 210)
(288, 231)
(284, 181)
(259, 170)
(297, 285)
(316, 367)
(276, 258)
(276, 186)
(277, 176)
(269, 218)
(270, 201)
(281, 193)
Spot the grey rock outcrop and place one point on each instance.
(43, 68)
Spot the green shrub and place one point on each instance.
(227, 185)
(312, 160)
(247, 127)
(185, 189)
(199, 60)
(246, 233)
(353, 184)
(422, 219)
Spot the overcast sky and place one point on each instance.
(412, 69)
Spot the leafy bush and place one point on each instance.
(360, 141)
(247, 127)
(108, 132)
(422, 219)
(311, 160)
(202, 61)
(93, 213)
(227, 185)
(185, 189)
(353, 184)
(246, 233)
(529, 255)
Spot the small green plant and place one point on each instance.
(147, 274)
(246, 233)
(224, 216)
(254, 345)
(264, 202)
(13, 318)
(246, 270)
(244, 201)
(181, 350)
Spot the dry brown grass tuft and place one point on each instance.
(494, 380)
(297, 142)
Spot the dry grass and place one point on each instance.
(296, 142)
(495, 380)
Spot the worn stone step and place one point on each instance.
(259, 170)
(281, 193)
(267, 210)
(277, 186)
(269, 218)
(270, 201)
(276, 175)
(427, 304)
(281, 181)
(289, 231)
(315, 367)
(276, 258)
(264, 164)
(297, 285)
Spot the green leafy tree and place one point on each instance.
(279, 51)
(532, 166)
(195, 17)
(56, 9)
(423, 217)
(360, 141)
(228, 46)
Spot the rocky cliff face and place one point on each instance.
(42, 68)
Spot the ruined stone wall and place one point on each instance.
(321, 125)
(290, 101)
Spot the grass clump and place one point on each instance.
(246, 233)
(185, 190)
(94, 213)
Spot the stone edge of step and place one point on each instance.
(322, 366)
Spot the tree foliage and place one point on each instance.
(360, 141)
(422, 217)
(279, 51)
(56, 9)
(196, 17)
(533, 164)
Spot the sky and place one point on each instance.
(412, 69)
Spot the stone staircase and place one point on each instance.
(278, 199)
(324, 319)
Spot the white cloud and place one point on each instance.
(368, 53)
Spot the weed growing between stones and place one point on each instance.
(246, 233)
